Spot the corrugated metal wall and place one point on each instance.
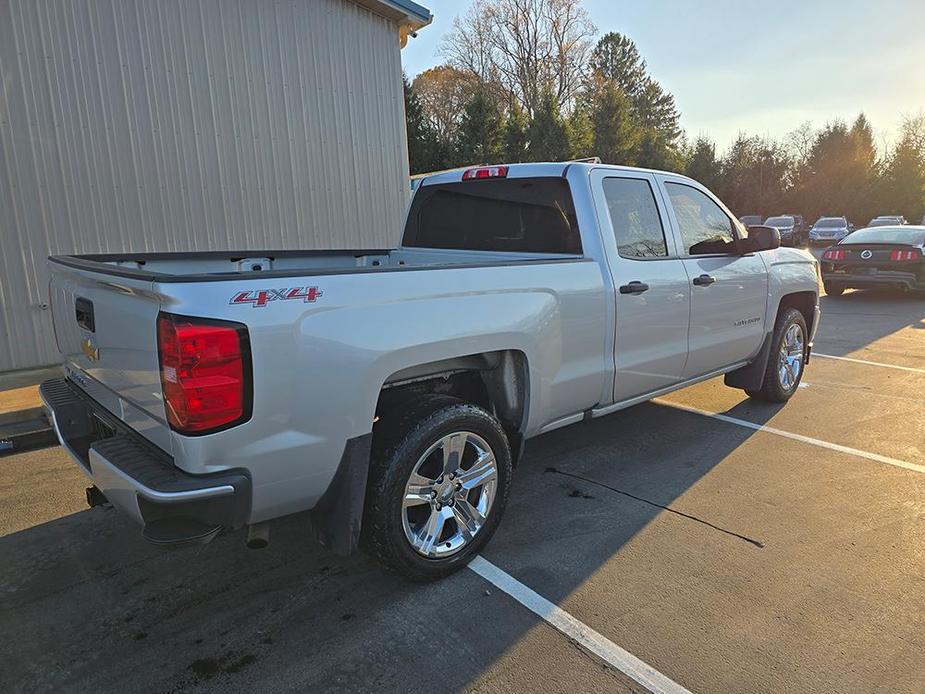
(167, 125)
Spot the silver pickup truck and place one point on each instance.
(390, 392)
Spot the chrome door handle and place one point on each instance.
(634, 287)
(704, 280)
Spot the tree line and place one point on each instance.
(524, 80)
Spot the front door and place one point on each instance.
(729, 290)
(652, 292)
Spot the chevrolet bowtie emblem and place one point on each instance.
(90, 350)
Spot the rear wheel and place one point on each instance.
(833, 289)
(785, 363)
(438, 486)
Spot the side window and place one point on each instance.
(635, 219)
(705, 228)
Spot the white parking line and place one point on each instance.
(886, 460)
(870, 363)
(581, 633)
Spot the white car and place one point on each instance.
(887, 220)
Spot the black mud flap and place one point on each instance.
(338, 516)
(751, 376)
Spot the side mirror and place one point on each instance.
(760, 238)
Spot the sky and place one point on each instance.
(756, 66)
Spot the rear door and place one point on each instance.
(652, 293)
(729, 290)
(106, 330)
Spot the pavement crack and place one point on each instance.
(751, 541)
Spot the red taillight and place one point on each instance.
(834, 254)
(485, 172)
(205, 372)
(903, 255)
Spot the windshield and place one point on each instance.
(913, 237)
(780, 221)
(831, 223)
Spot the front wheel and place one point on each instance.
(786, 361)
(438, 485)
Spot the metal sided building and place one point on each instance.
(180, 125)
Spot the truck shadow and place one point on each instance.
(878, 312)
(85, 603)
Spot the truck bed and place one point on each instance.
(223, 265)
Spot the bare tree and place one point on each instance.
(443, 92)
(518, 48)
(913, 130)
(800, 142)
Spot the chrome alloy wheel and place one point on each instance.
(449, 494)
(790, 359)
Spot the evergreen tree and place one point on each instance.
(547, 133)
(580, 135)
(755, 176)
(656, 110)
(903, 189)
(702, 165)
(515, 134)
(840, 174)
(655, 153)
(424, 152)
(616, 58)
(479, 139)
(863, 175)
(617, 136)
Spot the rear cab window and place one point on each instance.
(525, 215)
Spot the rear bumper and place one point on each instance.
(137, 478)
(900, 280)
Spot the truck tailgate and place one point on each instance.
(106, 329)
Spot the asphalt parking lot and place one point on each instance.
(774, 549)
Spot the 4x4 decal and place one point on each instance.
(259, 298)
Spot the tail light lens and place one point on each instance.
(835, 254)
(898, 255)
(205, 373)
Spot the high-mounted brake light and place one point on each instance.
(485, 172)
(834, 254)
(205, 373)
(904, 255)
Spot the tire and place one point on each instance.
(833, 290)
(411, 461)
(780, 381)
